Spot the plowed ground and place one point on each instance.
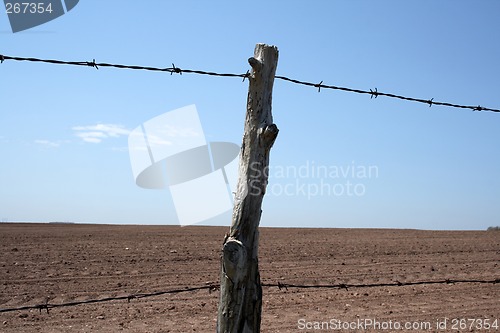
(61, 263)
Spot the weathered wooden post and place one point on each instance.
(240, 289)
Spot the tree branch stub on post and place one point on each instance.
(241, 292)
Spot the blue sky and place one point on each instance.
(432, 168)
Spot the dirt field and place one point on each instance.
(58, 263)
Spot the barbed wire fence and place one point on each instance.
(374, 93)
(213, 287)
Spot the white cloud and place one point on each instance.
(92, 140)
(47, 143)
(94, 137)
(96, 133)
(100, 132)
(153, 140)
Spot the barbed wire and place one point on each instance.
(46, 306)
(95, 65)
(381, 284)
(373, 93)
(213, 287)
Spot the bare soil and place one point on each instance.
(60, 263)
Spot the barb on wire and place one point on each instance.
(373, 93)
(92, 64)
(319, 86)
(247, 74)
(175, 70)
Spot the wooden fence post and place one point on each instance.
(240, 304)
